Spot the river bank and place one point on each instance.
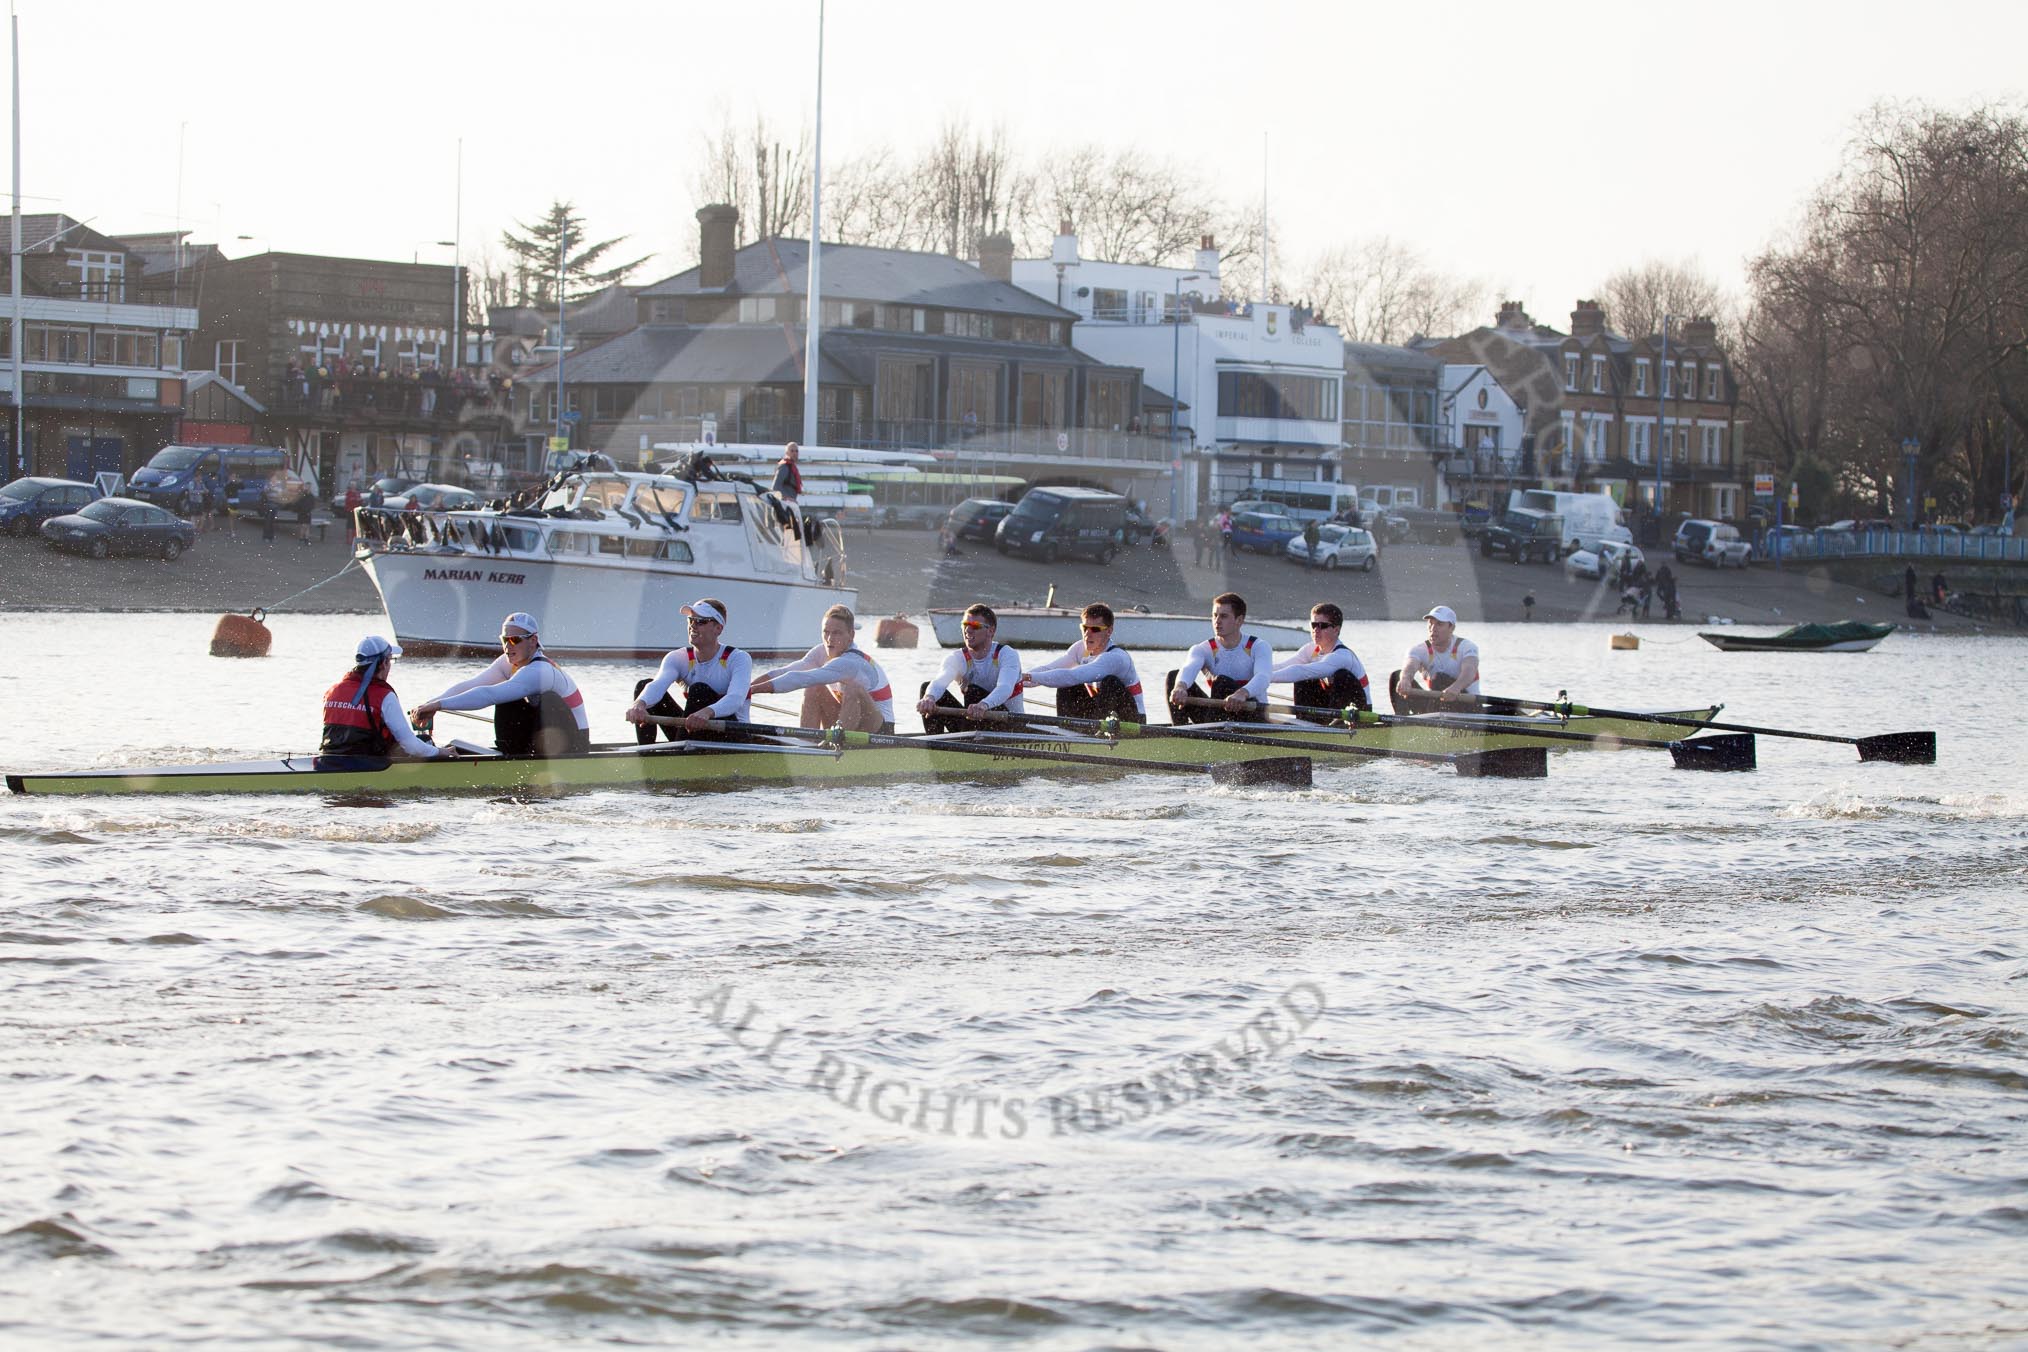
(902, 572)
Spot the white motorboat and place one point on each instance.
(1059, 627)
(606, 560)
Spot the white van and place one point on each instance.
(1589, 519)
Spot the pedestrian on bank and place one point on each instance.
(1311, 537)
(269, 512)
(1225, 532)
(303, 505)
(1939, 589)
(1528, 606)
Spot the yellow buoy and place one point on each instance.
(241, 636)
(1625, 642)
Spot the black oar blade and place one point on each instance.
(1507, 762)
(1720, 751)
(1906, 748)
(1280, 772)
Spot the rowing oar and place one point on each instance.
(1516, 762)
(1727, 751)
(1283, 771)
(1906, 748)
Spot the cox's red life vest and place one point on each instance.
(353, 726)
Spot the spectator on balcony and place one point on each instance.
(432, 379)
(295, 389)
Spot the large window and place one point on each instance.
(1043, 398)
(1105, 402)
(1258, 394)
(102, 274)
(226, 359)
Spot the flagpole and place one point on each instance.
(813, 300)
(20, 394)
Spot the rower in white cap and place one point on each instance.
(1443, 663)
(714, 676)
(537, 708)
(362, 714)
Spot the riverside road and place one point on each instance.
(903, 572)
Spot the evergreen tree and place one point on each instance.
(534, 251)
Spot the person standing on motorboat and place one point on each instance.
(1442, 664)
(788, 484)
(1238, 665)
(362, 714)
(982, 677)
(842, 686)
(714, 676)
(537, 707)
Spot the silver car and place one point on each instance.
(1338, 547)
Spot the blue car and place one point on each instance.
(26, 503)
(1263, 532)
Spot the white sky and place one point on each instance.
(1535, 147)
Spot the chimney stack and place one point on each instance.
(1514, 316)
(1063, 252)
(716, 226)
(996, 256)
(1207, 257)
(1700, 331)
(1587, 320)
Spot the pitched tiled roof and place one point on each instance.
(857, 272)
(664, 354)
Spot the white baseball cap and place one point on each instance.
(1442, 615)
(373, 646)
(523, 621)
(704, 610)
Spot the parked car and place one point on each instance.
(391, 486)
(1523, 533)
(120, 526)
(1053, 523)
(1338, 547)
(1263, 532)
(434, 498)
(976, 518)
(1713, 543)
(171, 478)
(1604, 562)
(26, 503)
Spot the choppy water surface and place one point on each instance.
(1621, 1055)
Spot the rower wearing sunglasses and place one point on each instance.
(1238, 665)
(537, 708)
(982, 677)
(1327, 675)
(1094, 679)
(714, 676)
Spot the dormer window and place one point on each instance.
(102, 274)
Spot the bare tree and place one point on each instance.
(762, 171)
(1128, 206)
(968, 185)
(1382, 291)
(1636, 298)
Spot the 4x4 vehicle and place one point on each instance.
(1522, 534)
(1711, 542)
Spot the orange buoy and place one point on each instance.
(241, 636)
(895, 632)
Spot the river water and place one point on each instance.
(1625, 1054)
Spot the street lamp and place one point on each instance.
(1176, 395)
